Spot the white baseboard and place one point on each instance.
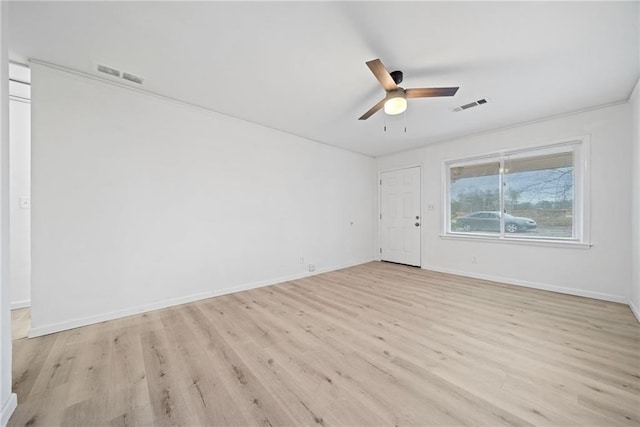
(90, 320)
(262, 283)
(534, 285)
(634, 309)
(117, 314)
(20, 304)
(7, 409)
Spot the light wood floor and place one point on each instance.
(377, 344)
(20, 323)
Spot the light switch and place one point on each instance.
(25, 202)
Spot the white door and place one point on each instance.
(400, 216)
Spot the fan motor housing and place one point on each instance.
(397, 76)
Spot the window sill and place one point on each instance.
(518, 241)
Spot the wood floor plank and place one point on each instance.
(20, 323)
(375, 344)
(306, 370)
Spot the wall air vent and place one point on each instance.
(470, 105)
(108, 70)
(117, 73)
(132, 78)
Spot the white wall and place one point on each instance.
(635, 201)
(20, 159)
(139, 203)
(7, 399)
(602, 271)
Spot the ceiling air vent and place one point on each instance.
(470, 105)
(132, 78)
(108, 70)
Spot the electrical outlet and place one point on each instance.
(301, 260)
(312, 267)
(474, 260)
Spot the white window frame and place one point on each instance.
(581, 231)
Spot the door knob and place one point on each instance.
(417, 224)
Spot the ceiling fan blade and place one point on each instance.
(373, 110)
(381, 73)
(428, 92)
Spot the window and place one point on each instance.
(525, 194)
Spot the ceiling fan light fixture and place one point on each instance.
(396, 102)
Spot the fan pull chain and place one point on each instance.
(385, 123)
(405, 121)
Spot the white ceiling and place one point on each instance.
(300, 67)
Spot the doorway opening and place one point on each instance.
(20, 197)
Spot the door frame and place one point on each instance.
(378, 248)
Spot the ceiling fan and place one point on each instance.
(395, 102)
